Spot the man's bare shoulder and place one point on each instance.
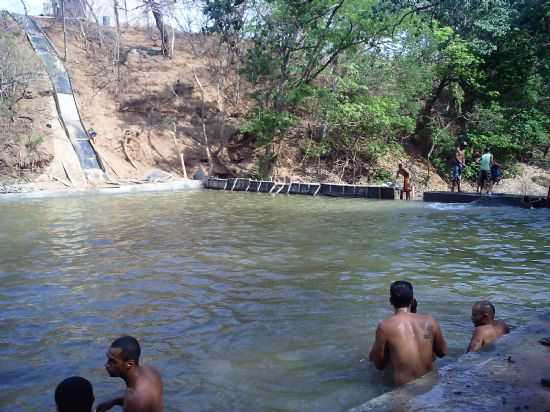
(394, 321)
(503, 325)
(150, 371)
(149, 380)
(147, 395)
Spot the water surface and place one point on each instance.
(246, 302)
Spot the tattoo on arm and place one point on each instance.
(429, 333)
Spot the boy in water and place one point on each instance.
(487, 328)
(74, 394)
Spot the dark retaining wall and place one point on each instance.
(296, 188)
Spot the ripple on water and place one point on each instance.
(246, 302)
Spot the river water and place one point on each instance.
(246, 302)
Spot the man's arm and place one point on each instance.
(440, 346)
(378, 352)
(105, 406)
(476, 343)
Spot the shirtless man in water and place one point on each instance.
(487, 328)
(406, 181)
(408, 341)
(143, 383)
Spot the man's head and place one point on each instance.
(401, 294)
(483, 313)
(74, 394)
(487, 150)
(122, 356)
(400, 165)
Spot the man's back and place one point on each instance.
(412, 340)
(485, 162)
(146, 396)
(459, 156)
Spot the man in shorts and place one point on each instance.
(406, 181)
(459, 163)
(485, 164)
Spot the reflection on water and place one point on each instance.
(246, 302)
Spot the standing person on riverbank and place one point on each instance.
(459, 164)
(485, 164)
(143, 383)
(74, 394)
(406, 183)
(487, 328)
(408, 341)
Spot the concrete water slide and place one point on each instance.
(64, 98)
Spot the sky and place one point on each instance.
(184, 13)
(15, 6)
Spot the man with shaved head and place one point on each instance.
(487, 328)
(143, 383)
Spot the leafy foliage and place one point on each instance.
(372, 73)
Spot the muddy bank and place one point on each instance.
(507, 377)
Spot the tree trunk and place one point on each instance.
(422, 132)
(25, 7)
(203, 121)
(64, 31)
(98, 24)
(117, 46)
(157, 14)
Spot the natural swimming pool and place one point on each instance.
(246, 302)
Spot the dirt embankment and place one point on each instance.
(149, 110)
(26, 117)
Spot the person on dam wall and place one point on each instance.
(406, 181)
(407, 341)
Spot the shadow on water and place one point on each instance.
(246, 301)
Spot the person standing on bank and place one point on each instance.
(143, 383)
(485, 164)
(406, 182)
(408, 341)
(459, 164)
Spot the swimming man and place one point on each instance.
(143, 383)
(408, 341)
(487, 328)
